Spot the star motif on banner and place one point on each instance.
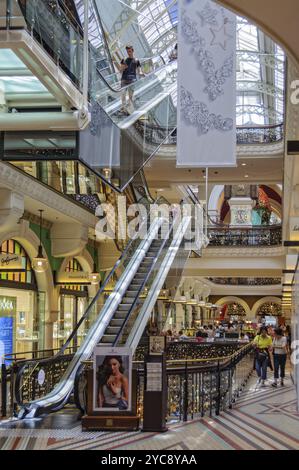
(221, 36)
(208, 16)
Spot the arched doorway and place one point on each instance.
(75, 293)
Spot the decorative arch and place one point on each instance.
(30, 242)
(214, 198)
(86, 261)
(232, 299)
(262, 301)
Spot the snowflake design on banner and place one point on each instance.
(214, 78)
(98, 119)
(208, 16)
(221, 36)
(197, 114)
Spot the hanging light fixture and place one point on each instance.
(94, 277)
(40, 263)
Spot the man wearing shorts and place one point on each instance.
(129, 67)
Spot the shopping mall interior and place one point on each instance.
(115, 332)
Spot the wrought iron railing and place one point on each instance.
(246, 281)
(199, 386)
(257, 236)
(12, 390)
(191, 350)
(245, 135)
(260, 134)
(18, 389)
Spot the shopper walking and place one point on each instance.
(280, 356)
(263, 345)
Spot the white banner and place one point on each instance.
(206, 85)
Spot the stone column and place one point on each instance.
(241, 211)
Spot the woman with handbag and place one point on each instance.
(263, 345)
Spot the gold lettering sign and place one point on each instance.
(10, 261)
(76, 277)
(109, 422)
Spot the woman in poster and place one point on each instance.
(113, 384)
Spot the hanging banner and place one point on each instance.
(206, 85)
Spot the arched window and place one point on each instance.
(26, 277)
(74, 266)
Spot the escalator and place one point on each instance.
(118, 320)
(119, 140)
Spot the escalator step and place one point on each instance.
(117, 322)
(142, 269)
(127, 300)
(119, 315)
(108, 339)
(112, 330)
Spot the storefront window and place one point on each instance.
(72, 305)
(22, 307)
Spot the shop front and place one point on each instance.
(73, 302)
(22, 306)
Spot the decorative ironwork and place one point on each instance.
(27, 385)
(271, 309)
(197, 389)
(245, 135)
(236, 309)
(191, 350)
(246, 281)
(91, 201)
(262, 236)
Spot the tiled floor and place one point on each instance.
(263, 418)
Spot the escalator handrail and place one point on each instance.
(74, 24)
(155, 260)
(121, 89)
(63, 388)
(100, 291)
(194, 197)
(140, 322)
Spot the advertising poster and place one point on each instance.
(6, 337)
(112, 379)
(157, 344)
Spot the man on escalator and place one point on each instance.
(130, 68)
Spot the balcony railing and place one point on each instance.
(257, 236)
(259, 135)
(246, 281)
(245, 135)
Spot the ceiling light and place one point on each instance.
(246, 176)
(94, 277)
(244, 164)
(40, 263)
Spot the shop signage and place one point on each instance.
(6, 304)
(6, 337)
(10, 261)
(77, 277)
